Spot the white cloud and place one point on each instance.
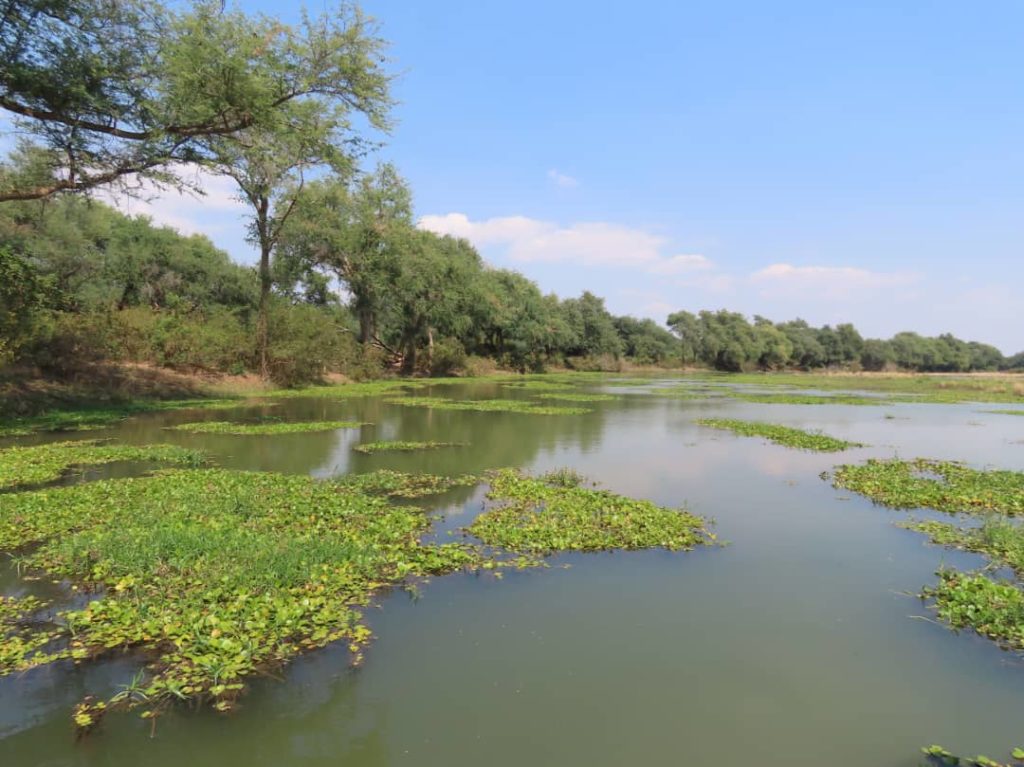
(682, 264)
(598, 243)
(829, 282)
(562, 180)
(218, 209)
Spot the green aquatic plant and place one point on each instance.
(564, 477)
(538, 385)
(401, 446)
(21, 639)
(348, 390)
(486, 405)
(218, 575)
(1001, 540)
(539, 517)
(941, 485)
(34, 464)
(91, 418)
(992, 608)
(1006, 412)
(803, 399)
(578, 397)
(940, 756)
(264, 427)
(398, 484)
(781, 435)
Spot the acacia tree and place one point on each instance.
(117, 91)
(270, 160)
(356, 230)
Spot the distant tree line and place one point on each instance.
(728, 341)
(117, 94)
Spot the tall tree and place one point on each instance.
(270, 160)
(118, 91)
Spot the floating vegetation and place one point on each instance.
(86, 419)
(580, 397)
(941, 485)
(804, 399)
(1006, 412)
(19, 640)
(397, 484)
(344, 391)
(936, 389)
(781, 435)
(400, 446)
(538, 385)
(937, 755)
(564, 477)
(992, 608)
(486, 405)
(264, 427)
(538, 517)
(43, 463)
(217, 575)
(999, 539)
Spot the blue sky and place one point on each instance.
(855, 162)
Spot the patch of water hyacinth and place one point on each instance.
(264, 427)
(402, 446)
(578, 397)
(781, 435)
(541, 516)
(31, 465)
(486, 405)
(398, 484)
(215, 575)
(941, 485)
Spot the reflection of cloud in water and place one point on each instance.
(337, 462)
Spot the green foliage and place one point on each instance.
(940, 485)
(218, 574)
(999, 539)
(265, 427)
(25, 298)
(578, 397)
(781, 435)
(486, 406)
(540, 516)
(43, 463)
(89, 418)
(397, 484)
(992, 608)
(402, 447)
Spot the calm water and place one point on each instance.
(794, 645)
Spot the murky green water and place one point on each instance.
(795, 645)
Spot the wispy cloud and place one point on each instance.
(217, 209)
(593, 243)
(562, 180)
(831, 282)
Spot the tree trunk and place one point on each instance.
(430, 349)
(262, 320)
(367, 326)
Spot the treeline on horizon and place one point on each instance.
(82, 283)
(122, 95)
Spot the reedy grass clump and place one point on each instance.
(264, 427)
(486, 405)
(397, 484)
(402, 446)
(781, 435)
(541, 517)
(941, 485)
(217, 575)
(344, 391)
(34, 464)
(804, 399)
(1001, 540)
